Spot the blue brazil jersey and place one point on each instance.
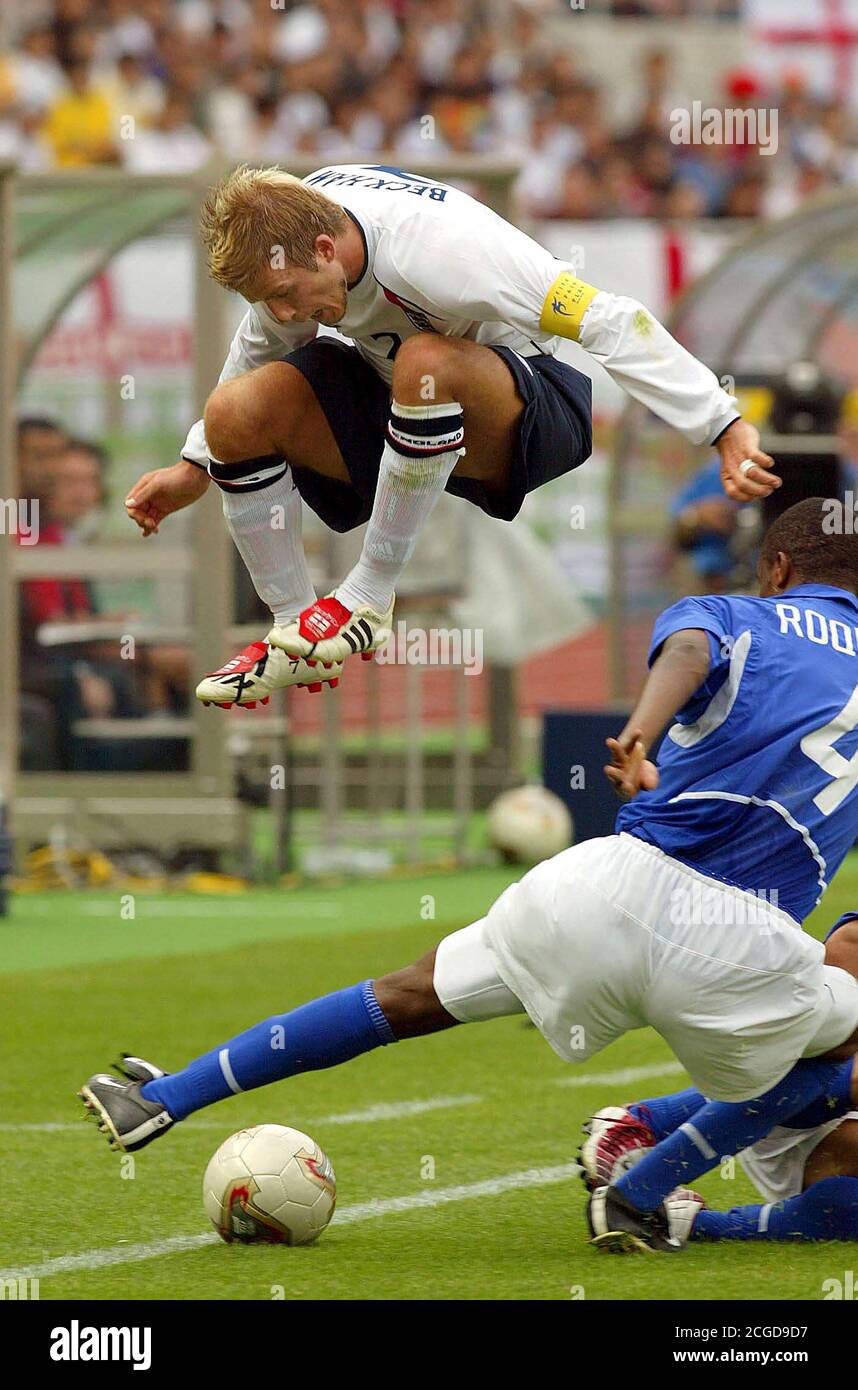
(759, 773)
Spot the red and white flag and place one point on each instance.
(816, 39)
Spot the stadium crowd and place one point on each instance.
(162, 85)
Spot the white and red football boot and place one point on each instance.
(621, 1228)
(250, 678)
(616, 1141)
(328, 631)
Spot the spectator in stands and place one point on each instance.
(41, 443)
(72, 491)
(36, 77)
(132, 92)
(746, 195)
(71, 486)
(718, 534)
(79, 123)
(704, 525)
(103, 684)
(76, 495)
(172, 145)
(350, 81)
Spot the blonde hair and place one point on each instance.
(256, 219)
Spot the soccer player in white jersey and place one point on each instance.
(451, 381)
(688, 920)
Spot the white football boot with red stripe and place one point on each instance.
(621, 1228)
(328, 631)
(616, 1141)
(251, 677)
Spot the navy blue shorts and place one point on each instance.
(555, 431)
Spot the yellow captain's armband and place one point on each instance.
(565, 305)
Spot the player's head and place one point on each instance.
(805, 546)
(273, 239)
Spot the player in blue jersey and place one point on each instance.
(688, 922)
(805, 1168)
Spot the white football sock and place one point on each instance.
(265, 523)
(423, 444)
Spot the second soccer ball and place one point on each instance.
(528, 824)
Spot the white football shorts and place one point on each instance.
(609, 936)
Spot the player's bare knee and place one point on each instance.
(241, 416)
(424, 369)
(227, 427)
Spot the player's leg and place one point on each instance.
(836, 1156)
(323, 1033)
(271, 438)
(422, 445)
(519, 422)
(826, 1211)
(455, 408)
(258, 427)
(618, 1136)
(720, 1128)
(826, 1208)
(636, 1205)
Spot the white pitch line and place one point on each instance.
(491, 1187)
(373, 1114)
(396, 1110)
(622, 1078)
(346, 1216)
(237, 908)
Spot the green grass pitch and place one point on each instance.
(431, 1119)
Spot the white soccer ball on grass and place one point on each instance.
(270, 1185)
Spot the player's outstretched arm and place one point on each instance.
(680, 668)
(656, 370)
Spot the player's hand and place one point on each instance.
(163, 491)
(739, 443)
(629, 769)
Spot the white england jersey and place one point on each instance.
(437, 260)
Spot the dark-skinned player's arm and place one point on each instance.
(680, 668)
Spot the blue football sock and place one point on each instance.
(324, 1033)
(826, 1211)
(664, 1114)
(720, 1128)
(833, 1105)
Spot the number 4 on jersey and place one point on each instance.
(820, 747)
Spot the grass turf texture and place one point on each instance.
(80, 983)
